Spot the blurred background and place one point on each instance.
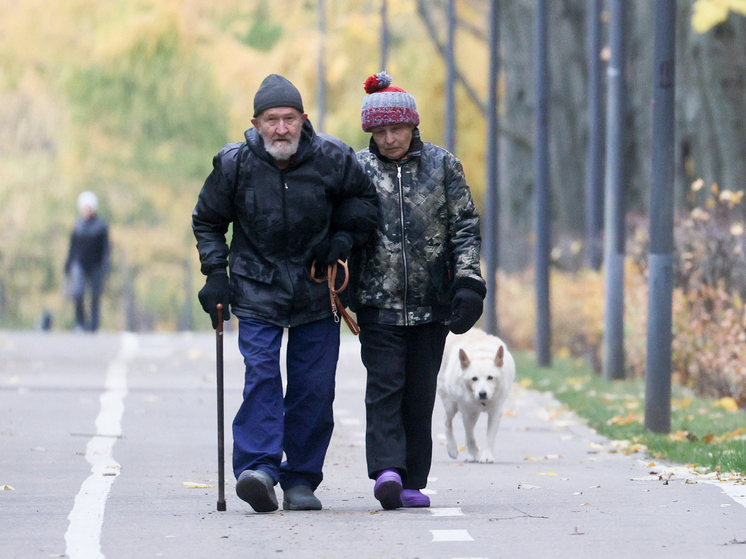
(131, 99)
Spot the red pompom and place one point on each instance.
(371, 85)
(377, 82)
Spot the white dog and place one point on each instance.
(475, 376)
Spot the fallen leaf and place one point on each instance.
(548, 474)
(7, 488)
(527, 486)
(681, 404)
(728, 436)
(626, 420)
(727, 403)
(680, 436)
(194, 485)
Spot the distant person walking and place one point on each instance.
(87, 261)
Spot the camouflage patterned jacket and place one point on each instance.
(427, 242)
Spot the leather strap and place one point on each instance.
(337, 306)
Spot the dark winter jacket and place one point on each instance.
(279, 217)
(427, 242)
(89, 245)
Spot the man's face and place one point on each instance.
(393, 140)
(280, 129)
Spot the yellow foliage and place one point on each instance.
(727, 403)
(708, 13)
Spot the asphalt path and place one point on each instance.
(107, 442)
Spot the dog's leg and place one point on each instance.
(470, 420)
(493, 422)
(451, 411)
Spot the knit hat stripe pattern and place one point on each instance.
(388, 106)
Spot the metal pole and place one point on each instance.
(541, 189)
(450, 124)
(594, 180)
(492, 198)
(613, 340)
(221, 408)
(384, 34)
(321, 81)
(660, 260)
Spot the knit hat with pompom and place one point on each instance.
(385, 105)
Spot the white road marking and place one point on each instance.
(445, 511)
(350, 421)
(83, 536)
(429, 491)
(451, 536)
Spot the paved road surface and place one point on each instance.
(99, 434)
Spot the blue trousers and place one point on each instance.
(80, 281)
(299, 424)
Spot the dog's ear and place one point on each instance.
(499, 357)
(463, 358)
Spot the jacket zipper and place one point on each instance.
(283, 188)
(403, 243)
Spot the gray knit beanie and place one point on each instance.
(276, 91)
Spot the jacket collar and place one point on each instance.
(415, 149)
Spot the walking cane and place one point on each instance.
(221, 445)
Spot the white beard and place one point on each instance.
(281, 151)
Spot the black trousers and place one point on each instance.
(402, 364)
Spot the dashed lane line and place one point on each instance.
(446, 511)
(451, 536)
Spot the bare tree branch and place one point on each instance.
(426, 17)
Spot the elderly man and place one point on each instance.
(293, 196)
(417, 277)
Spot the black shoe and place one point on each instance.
(300, 497)
(257, 488)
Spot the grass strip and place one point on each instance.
(709, 435)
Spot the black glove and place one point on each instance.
(466, 309)
(217, 289)
(319, 254)
(339, 248)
